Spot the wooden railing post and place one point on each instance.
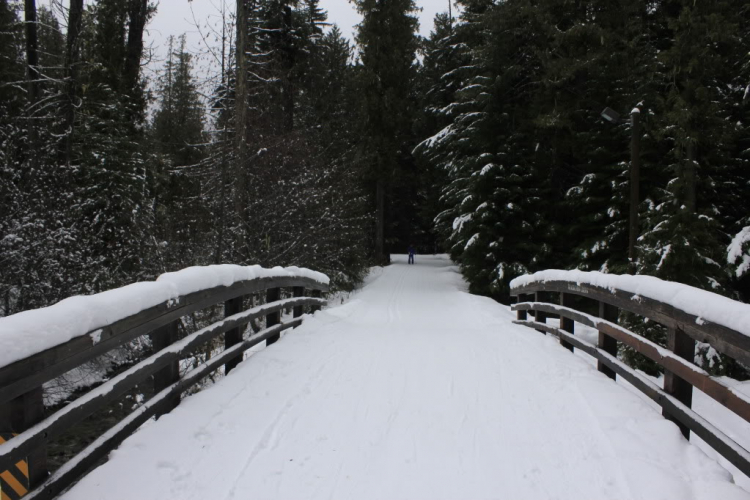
(317, 294)
(540, 316)
(272, 295)
(567, 324)
(521, 315)
(298, 291)
(161, 338)
(234, 336)
(19, 415)
(607, 343)
(683, 346)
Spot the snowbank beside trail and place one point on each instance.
(29, 332)
(705, 305)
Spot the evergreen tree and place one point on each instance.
(111, 200)
(13, 180)
(295, 146)
(388, 44)
(604, 60)
(436, 87)
(178, 124)
(177, 132)
(492, 217)
(683, 241)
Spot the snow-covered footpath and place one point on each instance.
(412, 390)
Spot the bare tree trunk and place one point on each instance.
(380, 257)
(32, 72)
(240, 117)
(75, 19)
(219, 251)
(288, 54)
(138, 16)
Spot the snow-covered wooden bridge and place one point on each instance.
(415, 389)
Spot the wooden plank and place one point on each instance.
(674, 385)
(723, 444)
(19, 415)
(539, 315)
(160, 339)
(607, 343)
(298, 291)
(24, 375)
(274, 318)
(76, 468)
(233, 336)
(724, 340)
(316, 294)
(567, 324)
(521, 314)
(693, 374)
(110, 391)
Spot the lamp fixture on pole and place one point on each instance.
(611, 115)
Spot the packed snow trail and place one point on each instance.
(414, 389)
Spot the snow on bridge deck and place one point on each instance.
(412, 390)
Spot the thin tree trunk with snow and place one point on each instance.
(240, 119)
(75, 18)
(32, 72)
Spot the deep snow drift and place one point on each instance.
(412, 390)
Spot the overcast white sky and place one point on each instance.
(201, 20)
(175, 17)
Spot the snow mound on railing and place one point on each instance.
(30, 332)
(195, 279)
(704, 305)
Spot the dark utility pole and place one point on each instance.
(635, 179)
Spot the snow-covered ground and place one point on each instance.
(414, 389)
(724, 419)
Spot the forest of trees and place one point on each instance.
(533, 177)
(484, 140)
(108, 177)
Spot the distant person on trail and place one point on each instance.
(411, 254)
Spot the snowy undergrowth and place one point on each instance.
(738, 252)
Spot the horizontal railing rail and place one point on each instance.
(21, 403)
(684, 325)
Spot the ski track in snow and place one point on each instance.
(412, 390)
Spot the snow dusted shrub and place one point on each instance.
(738, 258)
(738, 253)
(717, 364)
(651, 330)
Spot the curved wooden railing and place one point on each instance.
(21, 404)
(604, 296)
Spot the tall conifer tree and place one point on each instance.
(388, 43)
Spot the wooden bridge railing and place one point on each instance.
(21, 405)
(686, 322)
